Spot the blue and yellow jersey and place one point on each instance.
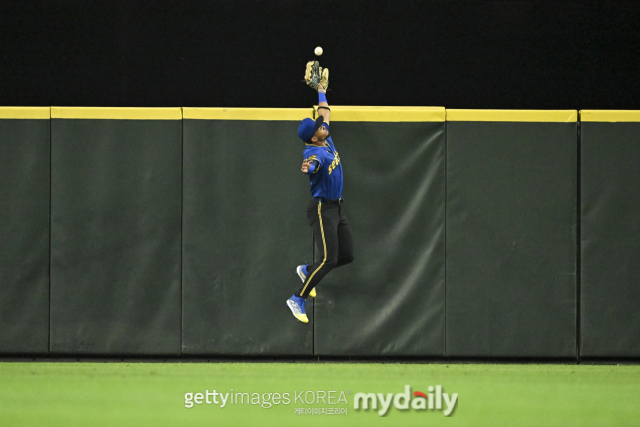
(326, 179)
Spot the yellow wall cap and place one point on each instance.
(563, 116)
(115, 113)
(353, 113)
(610, 115)
(276, 114)
(25, 113)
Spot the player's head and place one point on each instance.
(312, 131)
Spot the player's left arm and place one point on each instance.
(323, 105)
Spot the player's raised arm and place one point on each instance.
(318, 79)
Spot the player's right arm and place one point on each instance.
(310, 165)
(306, 163)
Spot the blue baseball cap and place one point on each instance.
(308, 127)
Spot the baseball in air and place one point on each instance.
(318, 51)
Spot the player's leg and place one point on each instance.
(324, 220)
(345, 241)
(302, 273)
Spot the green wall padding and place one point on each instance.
(24, 236)
(115, 236)
(610, 240)
(511, 239)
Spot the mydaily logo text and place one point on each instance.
(402, 401)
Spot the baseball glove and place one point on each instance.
(315, 75)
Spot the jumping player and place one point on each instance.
(325, 212)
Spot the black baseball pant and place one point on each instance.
(333, 240)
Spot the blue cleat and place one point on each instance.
(296, 304)
(302, 272)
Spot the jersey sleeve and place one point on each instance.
(316, 162)
(313, 156)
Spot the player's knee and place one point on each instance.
(331, 263)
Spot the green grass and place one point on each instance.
(141, 394)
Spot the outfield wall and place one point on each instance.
(115, 231)
(610, 233)
(169, 232)
(511, 241)
(25, 142)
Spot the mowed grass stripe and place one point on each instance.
(152, 394)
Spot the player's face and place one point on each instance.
(322, 133)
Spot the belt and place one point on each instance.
(330, 202)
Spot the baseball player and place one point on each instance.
(325, 212)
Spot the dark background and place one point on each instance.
(482, 54)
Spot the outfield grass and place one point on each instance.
(141, 394)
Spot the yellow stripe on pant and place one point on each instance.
(324, 245)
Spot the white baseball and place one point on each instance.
(318, 51)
